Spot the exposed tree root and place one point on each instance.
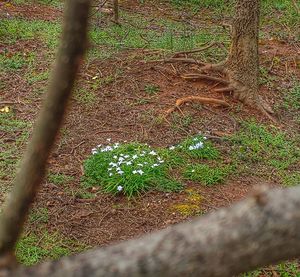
(239, 91)
(203, 100)
(195, 77)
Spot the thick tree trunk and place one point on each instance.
(261, 230)
(243, 64)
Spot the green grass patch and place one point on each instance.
(13, 30)
(59, 178)
(266, 149)
(85, 97)
(10, 152)
(130, 169)
(134, 168)
(36, 247)
(207, 175)
(39, 216)
(292, 98)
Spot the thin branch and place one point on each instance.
(29, 177)
(261, 230)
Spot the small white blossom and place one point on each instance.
(172, 147)
(140, 164)
(119, 188)
(128, 163)
(109, 139)
(110, 174)
(153, 153)
(193, 170)
(120, 172)
(134, 157)
(141, 172)
(134, 172)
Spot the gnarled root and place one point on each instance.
(203, 100)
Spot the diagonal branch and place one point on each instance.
(29, 177)
(256, 232)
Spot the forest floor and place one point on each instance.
(122, 94)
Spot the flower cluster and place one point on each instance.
(120, 162)
(197, 143)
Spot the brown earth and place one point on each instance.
(124, 111)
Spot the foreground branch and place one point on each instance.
(34, 162)
(256, 232)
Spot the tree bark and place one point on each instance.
(33, 164)
(256, 232)
(116, 11)
(243, 63)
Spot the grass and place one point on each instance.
(85, 97)
(39, 216)
(134, 168)
(130, 169)
(207, 175)
(36, 247)
(59, 178)
(151, 89)
(18, 130)
(288, 269)
(263, 150)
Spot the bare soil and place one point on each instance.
(124, 111)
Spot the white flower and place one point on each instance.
(120, 172)
(153, 153)
(110, 174)
(191, 147)
(94, 152)
(145, 162)
(140, 164)
(109, 139)
(142, 155)
(115, 157)
(134, 157)
(141, 172)
(126, 156)
(195, 139)
(134, 172)
(193, 170)
(121, 159)
(172, 147)
(99, 145)
(128, 163)
(119, 188)
(110, 169)
(205, 138)
(154, 165)
(161, 161)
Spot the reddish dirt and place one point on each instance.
(124, 111)
(36, 11)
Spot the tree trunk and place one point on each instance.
(243, 64)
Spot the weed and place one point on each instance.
(187, 209)
(151, 89)
(292, 98)
(87, 98)
(198, 147)
(205, 174)
(59, 178)
(127, 168)
(265, 151)
(39, 216)
(35, 247)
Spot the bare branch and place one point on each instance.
(33, 165)
(256, 232)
